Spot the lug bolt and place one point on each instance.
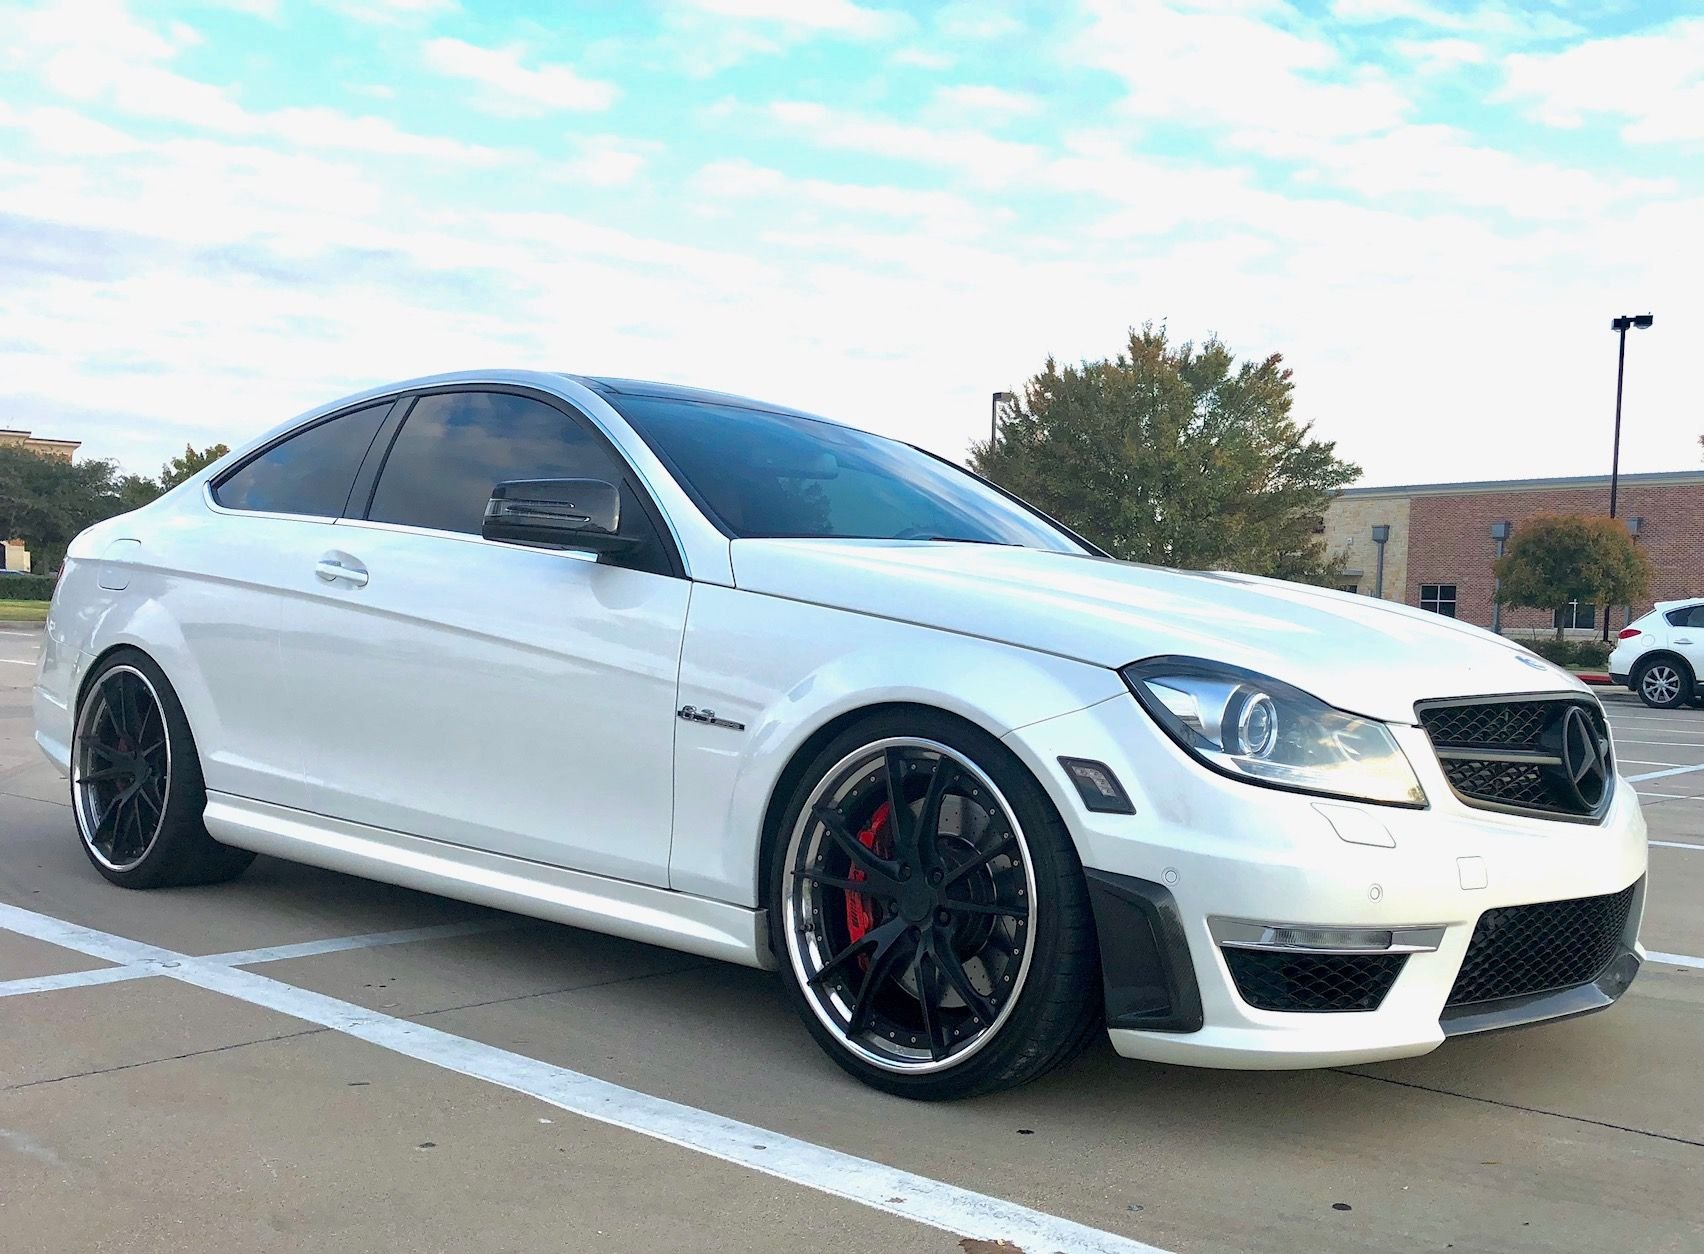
(935, 877)
(942, 917)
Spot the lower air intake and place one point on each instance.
(1520, 950)
(1317, 983)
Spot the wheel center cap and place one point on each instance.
(916, 900)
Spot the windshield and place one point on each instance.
(764, 474)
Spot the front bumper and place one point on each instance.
(1202, 848)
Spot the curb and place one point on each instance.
(34, 624)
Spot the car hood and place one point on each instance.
(1371, 657)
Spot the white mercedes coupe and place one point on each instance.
(725, 677)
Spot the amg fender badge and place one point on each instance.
(693, 714)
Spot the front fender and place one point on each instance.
(784, 669)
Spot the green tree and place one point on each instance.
(1558, 558)
(178, 469)
(46, 501)
(1177, 455)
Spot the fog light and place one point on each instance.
(1330, 937)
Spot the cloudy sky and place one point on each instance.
(214, 214)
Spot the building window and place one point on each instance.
(1439, 598)
(1350, 587)
(1574, 614)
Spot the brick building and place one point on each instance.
(62, 449)
(1439, 549)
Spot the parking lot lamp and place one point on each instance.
(1000, 398)
(1500, 532)
(1620, 327)
(1381, 533)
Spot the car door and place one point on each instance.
(500, 697)
(1686, 635)
(230, 570)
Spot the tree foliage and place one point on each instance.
(1174, 454)
(1558, 558)
(178, 469)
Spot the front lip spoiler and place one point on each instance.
(1531, 1008)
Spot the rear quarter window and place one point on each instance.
(307, 473)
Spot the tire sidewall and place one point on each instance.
(1053, 861)
(181, 828)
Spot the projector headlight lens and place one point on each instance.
(1255, 728)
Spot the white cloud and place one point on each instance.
(985, 101)
(391, 11)
(977, 21)
(786, 195)
(1652, 83)
(1497, 19)
(975, 154)
(509, 87)
(924, 59)
(607, 161)
(1436, 56)
(1230, 68)
(836, 17)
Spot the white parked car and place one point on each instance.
(728, 678)
(1661, 655)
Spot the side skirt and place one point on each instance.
(656, 916)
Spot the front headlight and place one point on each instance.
(1254, 728)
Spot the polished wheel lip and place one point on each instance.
(790, 892)
(1660, 683)
(82, 790)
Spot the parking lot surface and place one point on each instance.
(302, 1061)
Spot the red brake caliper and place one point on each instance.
(861, 910)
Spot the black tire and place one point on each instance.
(1663, 682)
(1056, 1003)
(137, 795)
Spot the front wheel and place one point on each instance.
(1663, 684)
(931, 912)
(136, 787)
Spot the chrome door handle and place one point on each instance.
(331, 571)
(1683, 640)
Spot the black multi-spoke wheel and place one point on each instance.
(136, 786)
(122, 768)
(922, 877)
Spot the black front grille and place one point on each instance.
(1517, 950)
(1491, 724)
(1511, 755)
(1270, 980)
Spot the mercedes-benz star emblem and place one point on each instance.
(1585, 758)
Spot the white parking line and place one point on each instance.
(1674, 844)
(248, 957)
(16, 662)
(957, 1211)
(1678, 960)
(1664, 744)
(1673, 770)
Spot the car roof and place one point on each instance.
(613, 387)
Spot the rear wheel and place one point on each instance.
(1663, 683)
(931, 912)
(136, 787)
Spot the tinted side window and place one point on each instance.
(309, 473)
(1687, 616)
(455, 447)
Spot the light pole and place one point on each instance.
(1381, 533)
(1620, 326)
(1500, 533)
(1000, 398)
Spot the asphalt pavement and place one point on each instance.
(301, 1061)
